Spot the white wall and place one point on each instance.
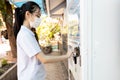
(100, 39)
(105, 40)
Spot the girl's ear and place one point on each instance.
(27, 14)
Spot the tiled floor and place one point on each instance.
(56, 71)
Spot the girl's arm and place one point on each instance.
(50, 58)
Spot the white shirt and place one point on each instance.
(29, 68)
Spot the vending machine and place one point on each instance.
(94, 39)
(73, 21)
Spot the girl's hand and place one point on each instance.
(69, 54)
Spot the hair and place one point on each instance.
(20, 14)
(34, 31)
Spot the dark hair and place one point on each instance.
(20, 14)
(34, 31)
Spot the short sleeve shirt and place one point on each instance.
(29, 67)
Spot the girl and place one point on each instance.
(30, 59)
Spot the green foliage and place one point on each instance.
(6, 10)
(1, 71)
(4, 62)
(3, 7)
(1, 24)
(48, 28)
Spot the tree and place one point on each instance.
(7, 15)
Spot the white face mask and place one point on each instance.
(35, 23)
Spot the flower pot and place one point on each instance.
(47, 49)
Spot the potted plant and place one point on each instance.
(46, 31)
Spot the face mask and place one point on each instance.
(35, 23)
